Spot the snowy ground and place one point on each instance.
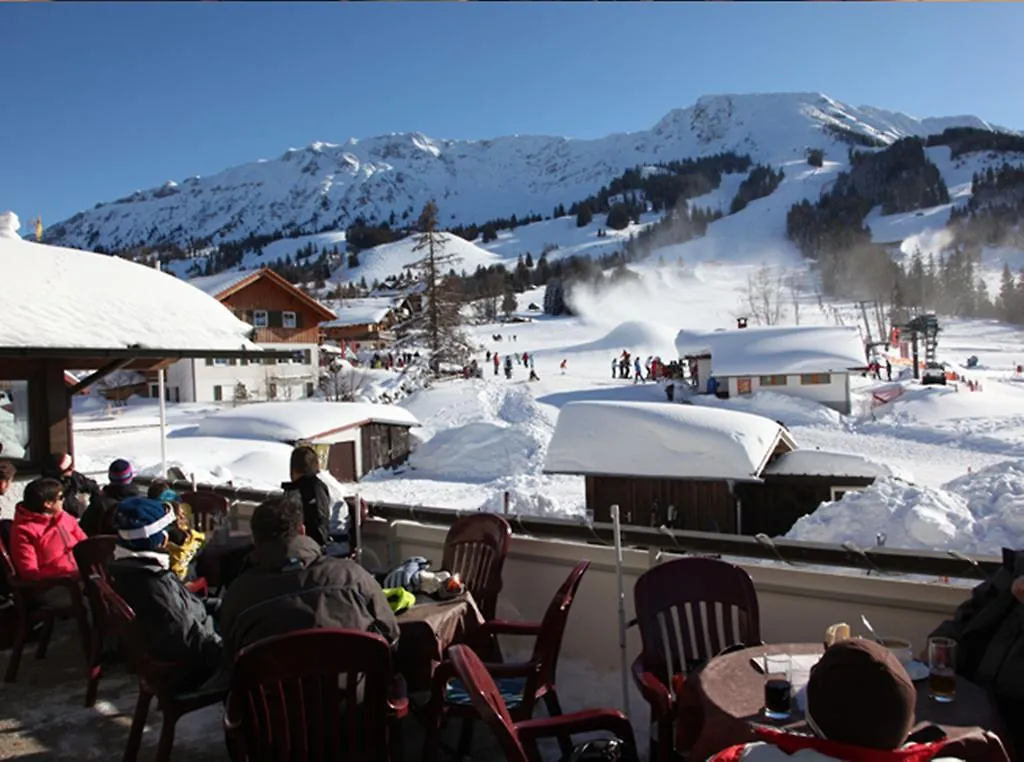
(482, 438)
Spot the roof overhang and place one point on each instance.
(139, 358)
(673, 477)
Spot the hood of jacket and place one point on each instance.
(298, 552)
(35, 522)
(143, 560)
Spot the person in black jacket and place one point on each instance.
(99, 516)
(79, 489)
(292, 586)
(311, 493)
(178, 626)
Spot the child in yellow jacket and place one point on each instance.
(183, 542)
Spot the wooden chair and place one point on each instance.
(92, 556)
(154, 679)
(518, 740)
(31, 613)
(717, 600)
(294, 697)
(521, 685)
(476, 547)
(208, 509)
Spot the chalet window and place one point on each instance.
(14, 434)
(218, 393)
(272, 391)
(270, 361)
(309, 389)
(773, 380)
(233, 361)
(838, 492)
(744, 385)
(288, 320)
(220, 361)
(815, 378)
(244, 361)
(260, 319)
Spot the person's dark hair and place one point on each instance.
(278, 519)
(156, 488)
(304, 461)
(39, 492)
(7, 471)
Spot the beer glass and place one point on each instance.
(942, 669)
(778, 686)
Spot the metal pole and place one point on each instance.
(162, 388)
(617, 533)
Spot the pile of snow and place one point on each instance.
(520, 502)
(292, 421)
(632, 335)
(776, 349)
(661, 440)
(790, 410)
(977, 513)
(478, 451)
(56, 297)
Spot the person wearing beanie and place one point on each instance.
(179, 626)
(79, 489)
(98, 517)
(861, 705)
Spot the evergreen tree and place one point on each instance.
(584, 216)
(509, 303)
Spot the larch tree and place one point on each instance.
(441, 327)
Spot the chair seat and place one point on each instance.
(511, 689)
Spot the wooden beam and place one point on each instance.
(99, 375)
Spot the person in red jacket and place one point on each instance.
(42, 537)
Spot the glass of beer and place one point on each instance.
(778, 686)
(942, 669)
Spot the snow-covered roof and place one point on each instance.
(662, 440)
(217, 284)
(824, 463)
(360, 311)
(65, 298)
(301, 419)
(776, 349)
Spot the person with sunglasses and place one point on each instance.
(42, 537)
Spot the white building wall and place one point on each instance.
(290, 379)
(835, 394)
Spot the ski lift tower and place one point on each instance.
(921, 328)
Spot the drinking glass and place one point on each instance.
(942, 669)
(778, 686)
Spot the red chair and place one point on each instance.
(476, 547)
(717, 600)
(521, 685)
(154, 679)
(208, 508)
(289, 695)
(518, 740)
(92, 556)
(31, 613)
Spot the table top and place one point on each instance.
(731, 685)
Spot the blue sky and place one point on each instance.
(103, 99)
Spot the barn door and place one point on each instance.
(341, 461)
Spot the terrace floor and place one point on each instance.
(42, 716)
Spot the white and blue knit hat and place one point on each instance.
(142, 523)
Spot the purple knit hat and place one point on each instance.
(120, 472)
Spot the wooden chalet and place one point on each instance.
(697, 468)
(368, 320)
(72, 310)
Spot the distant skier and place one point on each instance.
(508, 366)
(496, 362)
(615, 367)
(488, 355)
(533, 374)
(639, 377)
(888, 370)
(564, 364)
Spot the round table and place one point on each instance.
(731, 695)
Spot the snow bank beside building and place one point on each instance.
(977, 513)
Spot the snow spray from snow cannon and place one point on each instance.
(617, 534)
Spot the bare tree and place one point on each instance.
(442, 320)
(342, 383)
(765, 297)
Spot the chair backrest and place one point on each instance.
(552, 629)
(289, 691)
(207, 508)
(92, 556)
(476, 547)
(691, 609)
(132, 638)
(487, 701)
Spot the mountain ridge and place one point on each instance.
(327, 186)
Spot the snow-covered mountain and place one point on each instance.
(327, 186)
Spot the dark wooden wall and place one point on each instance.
(265, 294)
(49, 404)
(774, 506)
(384, 445)
(703, 506)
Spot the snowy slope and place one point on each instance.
(326, 186)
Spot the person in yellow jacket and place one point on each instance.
(184, 542)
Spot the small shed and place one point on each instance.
(696, 467)
(352, 438)
(813, 362)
